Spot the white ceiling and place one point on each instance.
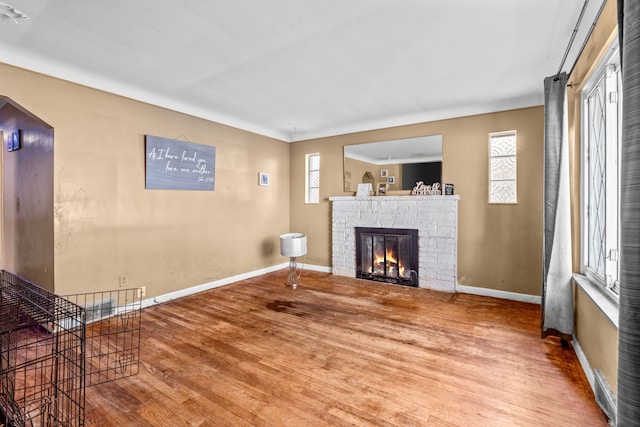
(300, 69)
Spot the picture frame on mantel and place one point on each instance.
(382, 188)
(364, 190)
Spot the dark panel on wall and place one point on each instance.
(179, 165)
(428, 173)
(27, 211)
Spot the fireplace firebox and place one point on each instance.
(387, 255)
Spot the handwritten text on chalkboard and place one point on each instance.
(179, 165)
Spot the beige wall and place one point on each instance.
(107, 225)
(499, 246)
(597, 336)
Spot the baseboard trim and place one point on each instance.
(602, 391)
(584, 362)
(221, 282)
(323, 269)
(211, 285)
(605, 398)
(514, 296)
(320, 268)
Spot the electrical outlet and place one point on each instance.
(124, 281)
(142, 291)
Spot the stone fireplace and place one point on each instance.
(434, 217)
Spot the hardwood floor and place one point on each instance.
(340, 351)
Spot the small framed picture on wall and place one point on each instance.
(263, 178)
(391, 180)
(14, 141)
(384, 173)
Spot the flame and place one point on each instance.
(391, 257)
(392, 260)
(378, 265)
(388, 264)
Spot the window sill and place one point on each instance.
(608, 306)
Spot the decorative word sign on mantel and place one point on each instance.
(179, 165)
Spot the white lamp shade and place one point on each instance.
(293, 244)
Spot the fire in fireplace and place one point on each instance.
(387, 255)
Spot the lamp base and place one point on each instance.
(293, 279)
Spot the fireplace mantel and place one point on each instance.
(435, 218)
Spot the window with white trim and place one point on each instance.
(601, 116)
(312, 184)
(503, 173)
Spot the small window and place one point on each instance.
(312, 178)
(503, 185)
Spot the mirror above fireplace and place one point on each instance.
(399, 162)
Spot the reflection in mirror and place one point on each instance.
(399, 162)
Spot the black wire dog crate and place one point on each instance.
(53, 347)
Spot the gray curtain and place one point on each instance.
(557, 291)
(629, 325)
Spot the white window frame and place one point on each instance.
(307, 185)
(607, 73)
(491, 157)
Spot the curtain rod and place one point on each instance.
(586, 39)
(573, 36)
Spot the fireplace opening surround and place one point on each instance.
(387, 255)
(435, 218)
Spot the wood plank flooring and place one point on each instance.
(345, 352)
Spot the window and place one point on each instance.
(601, 114)
(312, 185)
(503, 185)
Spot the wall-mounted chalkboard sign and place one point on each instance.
(179, 165)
